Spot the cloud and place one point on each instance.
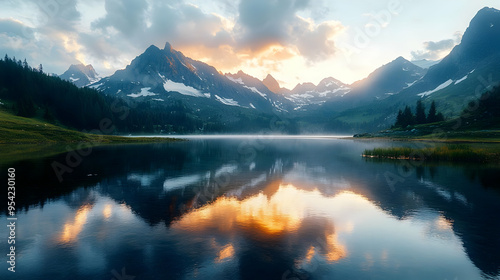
(316, 43)
(127, 17)
(437, 50)
(15, 38)
(14, 28)
(259, 27)
(263, 24)
(60, 16)
(19, 40)
(259, 32)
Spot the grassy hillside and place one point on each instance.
(20, 130)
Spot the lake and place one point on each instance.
(252, 208)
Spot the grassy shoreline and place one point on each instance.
(447, 153)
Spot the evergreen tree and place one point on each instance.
(420, 117)
(408, 117)
(439, 117)
(399, 119)
(432, 117)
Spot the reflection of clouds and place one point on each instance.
(227, 252)
(73, 228)
(441, 228)
(284, 212)
(107, 211)
(335, 250)
(322, 235)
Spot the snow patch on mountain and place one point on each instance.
(237, 81)
(331, 92)
(227, 101)
(144, 92)
(256, 91)
(440, 87)
(182, 89)
(302, 96)
(464, 78)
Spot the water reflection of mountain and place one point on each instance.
(165, 183)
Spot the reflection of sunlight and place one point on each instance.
(107, 211)
(72, 229)
(443, 224)
(225, 253)
(310, 253)
(333, 250)
(369, 261)
(336, 251)
(282, 212)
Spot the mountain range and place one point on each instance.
(163, 77)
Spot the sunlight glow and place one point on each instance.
(107, 211)
(73, 228)
(443, 224)
(227, 252)
(282, 212)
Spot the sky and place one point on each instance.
(296, 41)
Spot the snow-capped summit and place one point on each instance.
(80, 75)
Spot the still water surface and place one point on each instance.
(244, 208)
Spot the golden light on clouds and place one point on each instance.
(71, 45)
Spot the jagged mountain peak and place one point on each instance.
(271, 83)
(81, 75)
(166, 75)
(168, 47)
(86, 69)
(400, 59)
(304, 87)
(330, 81)
(152, 48)
(388, 79)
